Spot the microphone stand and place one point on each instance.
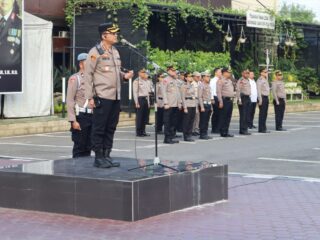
(156, 160)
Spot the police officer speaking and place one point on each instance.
(79, 113)
(102, 88)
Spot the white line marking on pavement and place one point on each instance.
(316, 149)
(289, 160)
(24, 158)
(133, 139)
(267, 176)
(152, 146)
(54, 146)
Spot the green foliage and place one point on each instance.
(297, 13)
(189, 60)
(309, 80)
(58, 74)
(58, 108)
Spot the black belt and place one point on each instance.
(143, 97)
(190, 98)
(228, 98)
(242, 95)
(160, 98)
(265, 96)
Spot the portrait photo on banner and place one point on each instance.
(11, 32)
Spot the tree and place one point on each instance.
(298, 13)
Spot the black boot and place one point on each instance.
(106, 154)
(100, 161)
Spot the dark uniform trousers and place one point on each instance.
(263, 114)
(279, 112)
(82, 138)
(142, 115)
(225, 115)
(215, 116)
(188, 120)
(204, 120)
(179, 125)
(170, 120)
(105, 120)
(244, 109)
(160, 119)
(251, 114)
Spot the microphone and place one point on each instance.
(125, 42)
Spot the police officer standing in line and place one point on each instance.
(243, 97)
(196, 82)
(151, 99)
(102, 88)
(181, 82)
(279, 99)
(263, 89)
(172, 103)
(160, 110)
(225, 92)
(215, 128)
(190, 103)
(79, 113)
(141, 88)
(253, 98)
(10, 33)
(206, 101)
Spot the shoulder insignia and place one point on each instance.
(93, 57)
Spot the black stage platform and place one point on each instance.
(74, 186)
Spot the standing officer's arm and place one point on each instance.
(135, 88)
(183, 96)
(238, 93)
(201, 91)
(164, 86)
(71, 94)
(219, 93)
(274, 92)
(90, 66)
(259, 92)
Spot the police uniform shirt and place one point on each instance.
(10, 40)
(141, 88)
(243, 88)
(263, 88)
(103, 74)
(159, 95)
(188, 95)
(278, 90)
(171, 92)
(75, 95)
(225, 88)
(204, 94)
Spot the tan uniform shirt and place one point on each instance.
(103, 74)
(278, 90)
(204, 94)
(171, 92)
(225, 88)
(159, 95)
(196, 85)
(243, 88)
(75, 95)
(263, 88)
(140, 88)
(188, 95)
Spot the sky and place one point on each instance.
(314, 5)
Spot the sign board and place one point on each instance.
(260, 20)
(11, 32)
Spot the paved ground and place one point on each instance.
(272, 207)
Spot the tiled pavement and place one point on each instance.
(258, 208)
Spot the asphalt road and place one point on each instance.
(291, 153)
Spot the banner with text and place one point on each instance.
(11, 46)
(260, 20)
